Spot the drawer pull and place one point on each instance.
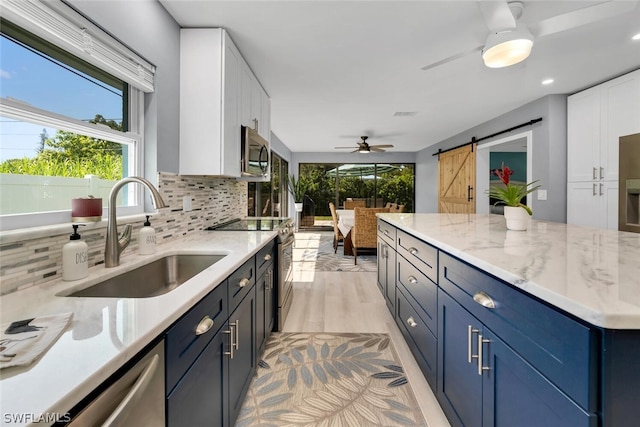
(386, 232)
(413, 251)
(205, 324)
(267, 257)
(484, 300)
(595, 173)
(470, 332)
(412, 280)
(481, 342)
(411, 322)
(244, 282)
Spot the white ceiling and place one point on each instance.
(336, 70)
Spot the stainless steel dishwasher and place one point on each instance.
(136, 398)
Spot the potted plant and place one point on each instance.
(516, 213)
(297, 188)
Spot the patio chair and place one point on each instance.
(337, 234)
(351, 204)
(364, 234)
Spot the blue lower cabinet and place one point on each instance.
(483, 382)
(201, 398)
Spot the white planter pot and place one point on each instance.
(298, 207)
(517, 218)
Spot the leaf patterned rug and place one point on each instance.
(322, 379)
(313, 251)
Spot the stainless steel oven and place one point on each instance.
(285, 227)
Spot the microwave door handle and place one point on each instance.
(264, 164)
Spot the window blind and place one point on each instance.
(62, 26)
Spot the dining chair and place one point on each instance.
(337, 234)
(364, 234)
(351, 204)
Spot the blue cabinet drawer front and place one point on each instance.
(421, 289)
(422, 342)
(387, 233)
(265, 257)
(421, 254)
(182, 344)
(241, 282)
(563, 349)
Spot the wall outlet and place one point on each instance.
(542, 194)
(186, 204)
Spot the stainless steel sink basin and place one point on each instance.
(156, 278)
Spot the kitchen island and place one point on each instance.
(105, 333)
(545, 319)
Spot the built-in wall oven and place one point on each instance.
(285, 239)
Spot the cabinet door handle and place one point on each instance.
(595, 172)
(244, 282)
(601, 186)
(237, 343)
(413, 251)
(412, 280)
(470, 332)
(601, 173)
(481, 342)
(484, 300)
(469, 196)
(255, 124)
(595, 189)
(231, 343)
(267, 257)
(411, 322)
(205, 324)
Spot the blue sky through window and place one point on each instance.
(46, 84)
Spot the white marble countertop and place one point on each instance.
(591, 273)
(106, 332)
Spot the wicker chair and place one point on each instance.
(364, 234)
(351, 204)
(337, 234)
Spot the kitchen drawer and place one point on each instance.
(183, 345)
(241, 282)
(422, 342)
(421, 254)
(420, 289)
(387, 233)
(561, 348)
(265, 257)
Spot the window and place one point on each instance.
(68, 128)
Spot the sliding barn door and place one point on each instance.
(457, 180)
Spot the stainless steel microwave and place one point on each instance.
(254, 154)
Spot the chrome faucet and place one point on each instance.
(115, 244)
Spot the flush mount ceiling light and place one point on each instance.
(507, 47)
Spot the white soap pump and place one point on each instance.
(75, 257)
(147, 239)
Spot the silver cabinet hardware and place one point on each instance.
(244, 282)
(205, 324)
(595, 172)
(601, 173)
(601, 186)
(386, 232)
(232, 345)
(255, 124)
(484, 300)
(595, 189)
(481, 342)
(267, 257)
(412, 280)
(411, 322)
(237, 334)
(470, 332)
(413, 251)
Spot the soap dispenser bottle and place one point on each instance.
(147, 238)
(75, 257)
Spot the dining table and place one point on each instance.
(346, 219)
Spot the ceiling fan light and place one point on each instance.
(507, 48)
(363, 150)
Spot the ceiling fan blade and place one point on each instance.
(376, 148)
(343, 147)
(452, 58)
(497, 15)
(580, 17)
(382, 146)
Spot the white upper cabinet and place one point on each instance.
(216, 98)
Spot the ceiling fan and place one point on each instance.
(510, 41)
(364, 147)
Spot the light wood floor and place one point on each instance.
(326, 301)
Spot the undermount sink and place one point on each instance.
(153, 279)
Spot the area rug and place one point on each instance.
(322, 379)
(314, 251)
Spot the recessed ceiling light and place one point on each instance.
(636, 37)
(547, 81)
